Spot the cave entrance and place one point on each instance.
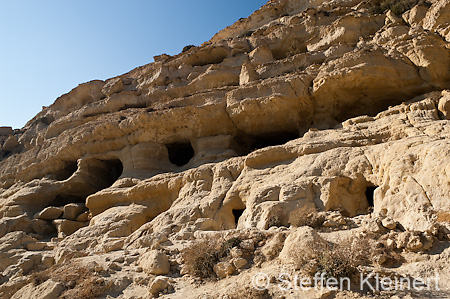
(63, 199)
(370, 190)
(111, 172)
(180, 153)
(65, 173)
(237, 213)
(247, 143)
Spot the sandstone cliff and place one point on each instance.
(333, 114)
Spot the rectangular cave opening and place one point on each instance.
(370, 190)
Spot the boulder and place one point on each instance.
(47, 290)
(303, 238)
(73, 210)
(67, 227)
(224, 269)
(6, 131)
(10, 144)
(49, 213)
(155, 262)
(159, 284)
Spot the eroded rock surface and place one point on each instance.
(321, 113)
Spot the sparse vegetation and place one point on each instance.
(80, 281)
(227, 245)
(305, 218)
(201, 257)
(248, 292)
(398, 7)
(340, 259)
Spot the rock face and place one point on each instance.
(305, 107)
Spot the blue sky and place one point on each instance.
(48, 47)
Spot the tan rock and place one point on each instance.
(67, 227)
(6, 131)
(83, 217)
(415, 15)
(223, 269)
(46, 290)
(10, 144)
(261, 55)
(389, 223)
(155, 262)
(49, 213)
(112, 86)
(248, 74)
(159, 284)
(73, 210)
(303, 237)
(239, 262)
(444, 105)
(438, 14)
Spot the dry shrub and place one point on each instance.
(80, 282)
(340, 259)
(306, 218)
(248, 292)
(201, 256)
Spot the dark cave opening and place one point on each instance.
(102, 174)
(246, 143)
(65, 173)
(112, 171)
(180, 153)
(237, 214)
(64, 199)
(370, 195)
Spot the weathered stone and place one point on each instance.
(155, 262)
(49, 213)
(239, 262)
(47, 290)
(223, 269)
(6, 131)
(159, 284)
(83, 217)
(10, 143)
(303, 237)
(389, 223)
(73, 210)
(67, 227)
